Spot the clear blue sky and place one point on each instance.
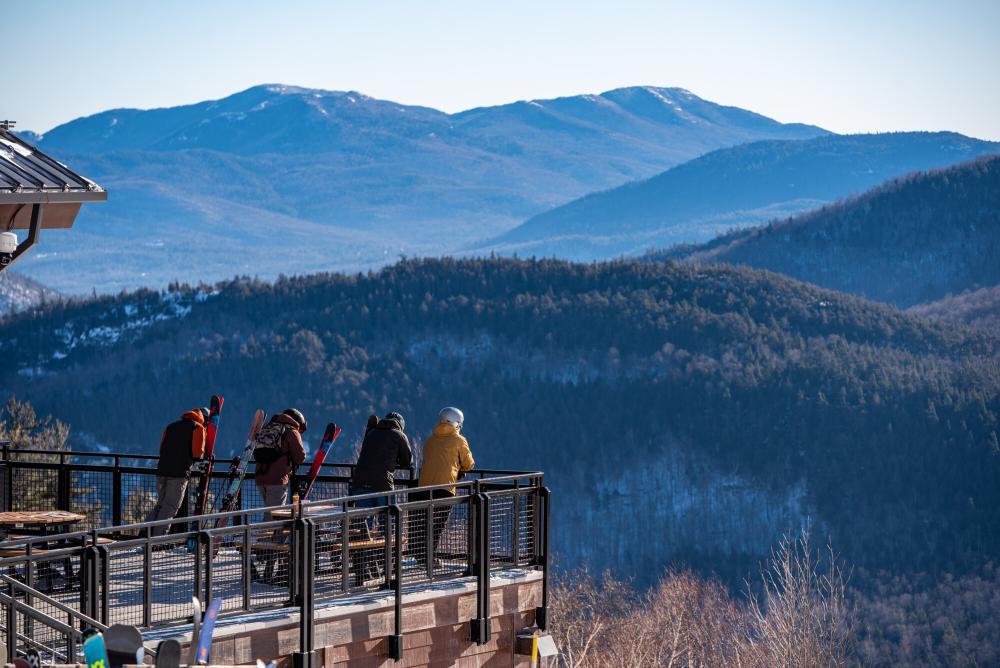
(849, 66)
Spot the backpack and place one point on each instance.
(267, 445)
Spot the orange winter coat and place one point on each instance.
(446, 455)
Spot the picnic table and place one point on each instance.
(365, 551)
(41, 523)
(288, 511)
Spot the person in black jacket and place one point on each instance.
(384, 449)
(182, 444)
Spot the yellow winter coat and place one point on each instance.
(446, 454)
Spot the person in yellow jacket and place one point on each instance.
(446, 458)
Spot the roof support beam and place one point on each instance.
(33, 231)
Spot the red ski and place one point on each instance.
(211, 429)
(329, 436)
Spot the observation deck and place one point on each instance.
(323, 583)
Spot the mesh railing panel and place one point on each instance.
(92, 494)
(250, 565)
(34, 489)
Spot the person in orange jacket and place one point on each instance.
(182, 444)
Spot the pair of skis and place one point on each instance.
(211, 431)
(238, 471)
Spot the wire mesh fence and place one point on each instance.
(145, 574)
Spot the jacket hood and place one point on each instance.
(281, 418)
(389, 424)
(194, 416)
(444, 428)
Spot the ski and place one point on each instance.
(195, 629)
(329, 436)
(211, 430)
(168, 654)
(238, 471)
(207, 629)
(123, 645)
(94, 651)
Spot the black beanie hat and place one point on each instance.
(297, 415)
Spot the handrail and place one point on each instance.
(48, 600)
(62, 607)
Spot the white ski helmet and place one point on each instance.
(452, 415)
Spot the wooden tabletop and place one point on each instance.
(39, 518)
(285, 512)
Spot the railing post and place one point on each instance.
(470, 537)
(102, 573)
(205, 541)
(395, 641)
(247, 561)
(515, 524)
(10, 628)
(8, 481)
(147, 578)
(116, 493)
(480, 626)
(63, 484)
(304, 535)
(89, 578)
(541, 612)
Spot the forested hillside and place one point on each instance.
(911, 240)
(19, 292)
(978, 308)
(700, 411)
(740, 186)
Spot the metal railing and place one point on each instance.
(332, 547)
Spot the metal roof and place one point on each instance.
(28, 176)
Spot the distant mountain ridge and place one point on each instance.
(731, 187)
(282, 179)
(911, 240)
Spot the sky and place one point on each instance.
(847, 66)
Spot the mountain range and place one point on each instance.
(281, 179)
(735, 187)
(914, 239)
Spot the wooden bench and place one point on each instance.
(20, 552)
(275, 554)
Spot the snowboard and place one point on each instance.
(123, 645)
(207, 629)
(238, 471)
(329, 436)
(168, 654)
(211, 430)
(94, 651)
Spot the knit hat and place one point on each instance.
(297, 415)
